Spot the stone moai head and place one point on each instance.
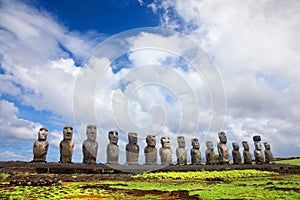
(209, 145)
(91, 132)
(235, 146)
(113, 137)
(132, 138)
(257, 146)
(245, 145)
(165, 142)
(267, 146)
(181, 141)
(195, 143)
(151, 140)
(222, 137)
(43, 133)
(68, 132)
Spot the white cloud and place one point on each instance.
(9, 156)
(255, 46)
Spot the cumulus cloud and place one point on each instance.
(256, 48)
(38, 58)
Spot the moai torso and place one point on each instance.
(113, 148)
(40, 147)
(150, 150)
(67, 145)
(236, 155)
(246, 153)
(165, 151)
(195, 152)
(209, 153)
(268, 153)
(132, 149)
(223, 149)
(90, 146)
(181, 151)
(259, 158)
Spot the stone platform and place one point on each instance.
(79, 168)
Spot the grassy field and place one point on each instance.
(290, 162)
(235, 184)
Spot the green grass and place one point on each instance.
(206, 175)
(236, 184)
(290, 162)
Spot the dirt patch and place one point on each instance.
(179, 194)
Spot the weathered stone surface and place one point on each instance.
(113, 148)
(132, 149)
(209, 153)
(246, 153)
(223, 149)
(90, 146)
(40, 147)
(150, 150)
(268, 153)
(95, 172)
(259, 158)
(67, 145)
(181, 151)
(236, 155)
(165, 151)
(195, 152)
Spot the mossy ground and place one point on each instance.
(235, 184)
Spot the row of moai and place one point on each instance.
(90, 149)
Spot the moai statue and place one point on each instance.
(236, 155)
(195, 152)
(132, 149)
(150, 150)
(67, 145)
(112, 150)
(259, 158)
(246, 153)
(165, 151)
(181, 151)
(40, 146)
(223, 149)
(209, 153)
(90, 146)
(268, 153)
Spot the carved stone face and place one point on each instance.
(181, 141)
(132, 138)
(43, 133)
(151, 140)
(68, 132)
(195, 143)
(165, 142)
(245, 145)
(235, 146)
(209, 145)
(222, 137)
(267, 146)
(113, 137)
(257, 146)
(91, 132)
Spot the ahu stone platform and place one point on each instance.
(106, 169)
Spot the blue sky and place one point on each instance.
(154, 86)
